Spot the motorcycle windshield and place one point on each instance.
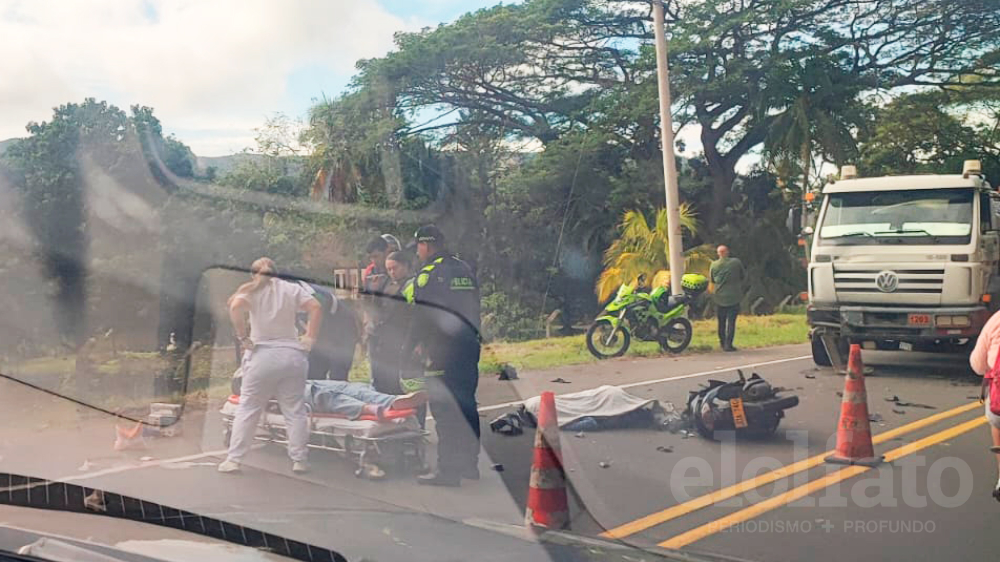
(624, 291)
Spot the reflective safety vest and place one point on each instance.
(446, 317)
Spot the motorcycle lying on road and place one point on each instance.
(655, 316)
(749, 407)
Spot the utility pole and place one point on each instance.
(669, 164)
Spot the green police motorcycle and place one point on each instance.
(655, 316)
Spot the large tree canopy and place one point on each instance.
(792, 81)
(933, 132)
(63, 170)
(740, 69)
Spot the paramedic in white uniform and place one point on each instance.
(276, 363)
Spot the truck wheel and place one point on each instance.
(820, 356)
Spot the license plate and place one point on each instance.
(739, 415)
(920, 320)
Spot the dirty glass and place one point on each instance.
(916, 215)
(437, 359)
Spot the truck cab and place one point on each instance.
(903, 262)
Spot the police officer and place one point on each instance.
(445, 328)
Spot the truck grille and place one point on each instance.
(911, 280)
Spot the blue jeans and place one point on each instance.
(344, 398)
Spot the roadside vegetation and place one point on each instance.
(212, 369)
(528, 131)
(751, 332)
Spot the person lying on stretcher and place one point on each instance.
(353, 400)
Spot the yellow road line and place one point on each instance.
(757, 509)
(706, 500)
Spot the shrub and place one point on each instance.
(506, 319)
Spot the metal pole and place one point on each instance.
(669, 164)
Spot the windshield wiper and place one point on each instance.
(23, 491)
(853, 235)
(909, 231)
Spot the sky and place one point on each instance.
(213, 70)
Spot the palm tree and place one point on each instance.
(818, 112)
(355, 149)
(641, 251)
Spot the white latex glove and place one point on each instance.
(307, 342)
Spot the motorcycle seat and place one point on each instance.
(668, 302)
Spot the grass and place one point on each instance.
(46, 366)
(211, 372)
(125, 361)
(751, 332)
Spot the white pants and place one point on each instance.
(278, 372)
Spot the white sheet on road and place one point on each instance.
(601, 402)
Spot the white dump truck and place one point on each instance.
(903, 262)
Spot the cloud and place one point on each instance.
(204, 65)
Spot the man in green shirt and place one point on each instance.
(729, 277)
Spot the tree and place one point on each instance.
(821, 116)
(355, 152)
(88, 153)
(47, 167)
(163, 154)
(577, 79)
(641, 251)
(178, 157)
(729, 61)
(535, 69)
(931, 132)
(273, 165)
(529, 69)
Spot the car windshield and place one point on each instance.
(342, 274)
(940, 216)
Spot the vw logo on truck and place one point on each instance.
(887, 281)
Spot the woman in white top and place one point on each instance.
(275, 364)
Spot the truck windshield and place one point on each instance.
(941, 216)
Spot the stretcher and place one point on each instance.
(393, 442)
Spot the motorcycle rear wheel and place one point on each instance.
(605, 341)
(676, 336)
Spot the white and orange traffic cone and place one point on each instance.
(548, 504)
(129, 437)
(854, 433)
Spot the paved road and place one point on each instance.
(644, 497)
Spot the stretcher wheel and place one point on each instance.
(370, 471)
(420, 457)
(400, 458)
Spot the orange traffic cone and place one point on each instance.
(129, 438)
(548, 506)
(854, 434)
